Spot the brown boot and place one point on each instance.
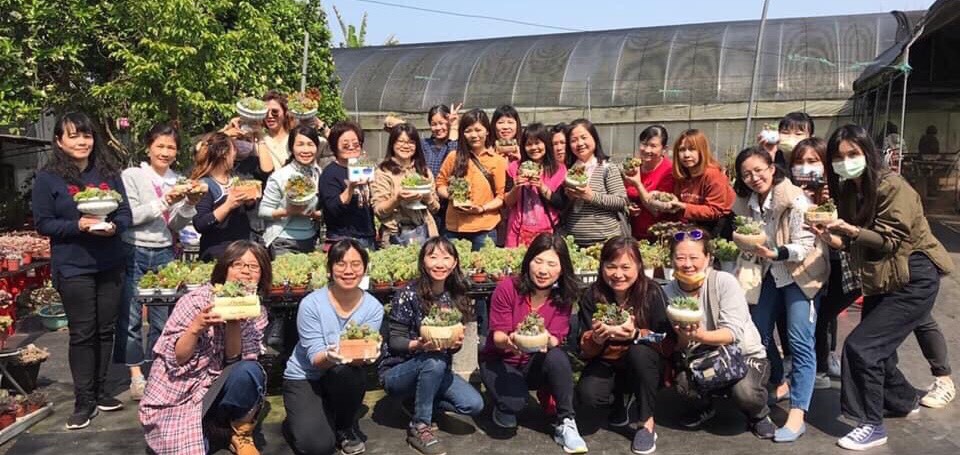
(241, 442)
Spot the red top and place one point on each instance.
(708, 196)
(659, 179)
(508, 309)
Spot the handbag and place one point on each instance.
(715, 367)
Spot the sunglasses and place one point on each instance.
(695, 234)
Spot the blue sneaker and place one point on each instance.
(864, 437)
(568, 436)
(504, 420)
(644, 441)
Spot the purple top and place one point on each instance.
(508, 309)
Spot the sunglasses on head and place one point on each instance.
(695, 234)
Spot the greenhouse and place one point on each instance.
(683, 76)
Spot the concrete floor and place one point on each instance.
(929, 432)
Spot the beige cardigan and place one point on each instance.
(385, 189)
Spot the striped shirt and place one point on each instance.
(596, 220)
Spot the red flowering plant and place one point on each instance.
(94, 192)
(73, 190)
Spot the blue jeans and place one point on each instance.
(428, 377)
(129, 348)
(801, 325)
(475, 238)
(242, 392)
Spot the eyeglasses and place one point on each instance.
(274, 112)
(350, 146)
(405, 142)
(756, 173)
(695, 234)
(252, 267)
(342, 265)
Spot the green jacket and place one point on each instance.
(897, 229)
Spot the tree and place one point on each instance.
(178, 61)
(352, 38)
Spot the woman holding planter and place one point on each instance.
(506, 123)
(346, 202)
(536, 177)
(622, 308)
(704, 192)
(725, 321)
(418, 366)
(793, 266)
(290, 197)
(86, 267)
(474, 216)
(160, 207)
(323, 387)
(404, 197)
(206, 384)
(596, 206)
(899, 262)
(514, 360)
(222, 211)
(655, 173)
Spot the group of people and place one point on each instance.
(205, 385)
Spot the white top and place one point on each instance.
(802, 240)
(153, 220)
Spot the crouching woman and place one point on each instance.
(205, 385)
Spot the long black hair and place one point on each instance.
(462, 161)
(869, 180)
(455, 285)
(62, 165)
(598, 152)
(302, 130)
(419, 162)
(506, 111)
(741, 187)
(538, 132)
(567, 288)
(638, 299)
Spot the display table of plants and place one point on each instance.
(19, 369)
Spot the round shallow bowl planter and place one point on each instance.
(684, 316)
(303, 201)
(575, 183)
(531, 343)
(816, 218)
(312, 113)
(53, 317)
(443, 337)
(748, 242)
(98, 207)
(251, 114)
(359, 349)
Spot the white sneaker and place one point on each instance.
(822, 381)
(939, 394)
(833, 365)
(568, 436)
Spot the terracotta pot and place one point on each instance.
(277, 290)
(27, 258)
(7, 419)
(359, 349)
(400, 283)
(381, 285)
(13, 264)
(479, 277)
(21, 410)
(302, 289)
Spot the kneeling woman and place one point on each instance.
(418, 368)
(726, 322)
(620, 354)
(320, 384)
(548, 287)
(205, 383)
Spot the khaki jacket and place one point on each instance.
(385, 188)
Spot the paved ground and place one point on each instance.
(930, 432)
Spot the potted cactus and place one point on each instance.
(359, 342)
(443, 326)
(726, 252)
(631, 166)
(233, 300)
(459, 190)
(684, 310)
(531, 335)
(577, 176)
(748, 234)
(611, 315)
(824, 213)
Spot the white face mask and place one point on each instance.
(850, 168)
(808, 171)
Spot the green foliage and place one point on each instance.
(414, 180)
(685, 303)
(177, 61)
(459, 189)
(231, 289)
(442, 317)
(827, 207)
(532, 325)
(747, 226)
(299, 187)
(353, 37)
(610, 314)
(653, 255)
(293, 269)
(725, 250)
(353, 331)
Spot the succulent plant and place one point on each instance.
(826, 207)
(685, 303)
(662, 196)
(631, 164)
(578, 173)
(354, 331)
(253, 104)
(299, 187)
(232, 289)
(530, 169)
(747, 226)
(442, 317)
(610, 314)
(459, 189)
(725, 250)
(414, 180)
(532, 325)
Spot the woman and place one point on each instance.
(596, 211)
(615, 355)
(414, 367)
(486, 174)
(559, 142)
(655, 174)
(206, 383)
(291, 228)
(530, 211)
(222, 211)
(704, 192)
(400, 222)
(277, 124)
(794, 268)
(86, 267)
(345, 203)
(726, 323)
(323, 391)
(506, 124)
(899, 262)
(793, 128)
(158, 211)
(444, 126)
(546, 286)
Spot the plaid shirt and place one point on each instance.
(850, 281)
(435, 154)
(172, 405)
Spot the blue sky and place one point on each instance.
(411, 26)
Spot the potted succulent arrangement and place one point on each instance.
(359, 342)
(654, 256)
(251, 108)
(380, 276)
(25, 367)
(770, 133)
(97, 201)
(8, 411)
(507, 147)
(824, 213)
(684, 310)
(251, 187)
(234, 301)
(631, 166)
(52, 316)
(189, 186)
(531, 335)
(304, 105)
(726, 253)
(748, 234)
(169, 279)
(459, 190)
(577, 176)
(442, 326)
(360, 169)
(43, 296)
(662, 201)
(478, 275)
(418, 184)
(198, 275)
(611, 315)
(529, 169)
(149, 284)
(35, 400)
(300, 191)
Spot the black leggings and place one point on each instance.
(318, 409)
(637, 372)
